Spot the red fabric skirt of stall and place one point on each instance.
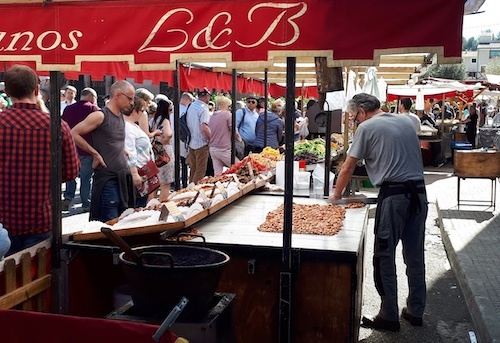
(31, 327)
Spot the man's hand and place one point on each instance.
(97, 161)
(335, 197)
(137, 179)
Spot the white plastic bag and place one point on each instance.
(318, 176)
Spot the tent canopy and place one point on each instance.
(114, 38)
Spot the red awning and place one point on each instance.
(115, 38)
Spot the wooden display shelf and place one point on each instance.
(172, 227)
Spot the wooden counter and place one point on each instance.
(326, 286)
(327, 289)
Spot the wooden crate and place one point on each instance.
(24, 280)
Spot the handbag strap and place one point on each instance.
(242, 118)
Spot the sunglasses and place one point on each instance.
(251, 102)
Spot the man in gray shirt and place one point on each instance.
(390, 147)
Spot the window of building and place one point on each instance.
(474, 60)
(494, 53)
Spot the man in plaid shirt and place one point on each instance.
(25, 200)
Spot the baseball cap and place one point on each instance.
(252, 96)
(205, 91)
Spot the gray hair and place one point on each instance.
(365, 101)
(144, 94)
(88, 91)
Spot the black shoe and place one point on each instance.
(415, 321)
(65, 204)
(380, 323)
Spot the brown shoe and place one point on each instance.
(380, 323)
(415, 321)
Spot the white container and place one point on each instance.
(280, 172)
(301, 180)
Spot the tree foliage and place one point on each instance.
(493, 67)
(469, 44)
(447, 71)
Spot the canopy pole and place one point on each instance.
(59, 281)
(234, 86)
(286, 274)
(265, 110)
(346, 116)
(177, 130)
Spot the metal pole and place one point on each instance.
(265, 109)
(177, 131)
(233, 116)
(56, 80)
(328, 148)
(286, 274)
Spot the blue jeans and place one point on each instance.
(110, 201)
(85, 177)
(21, 242)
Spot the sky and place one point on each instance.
(490, 19)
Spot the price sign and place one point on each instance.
(250, 170)
(174, 211)
(221, 189)
(205, 202)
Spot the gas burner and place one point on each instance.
(215, 326)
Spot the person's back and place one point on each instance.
(393, 150)
(25, 161)
(274, 131)
(220, 127)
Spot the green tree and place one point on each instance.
(469, 44)
(493, 66)
(447, 71)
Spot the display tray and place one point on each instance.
(237, 225)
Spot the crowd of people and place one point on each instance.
(111, 149)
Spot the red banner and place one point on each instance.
(152, 35)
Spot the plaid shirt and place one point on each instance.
(25, 201)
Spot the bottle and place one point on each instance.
(302, 165)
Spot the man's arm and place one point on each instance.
(205, 130)
(89, 124)
(344, 177)
(70, 160)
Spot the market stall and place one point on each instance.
(71, 36)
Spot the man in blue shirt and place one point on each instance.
(197, 121)
(246, 118)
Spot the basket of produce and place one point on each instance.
(313, 151)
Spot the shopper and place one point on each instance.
(391, 151)
(220, 141)
(73, 114)
(112, 188)
(25, 161)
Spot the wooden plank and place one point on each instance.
(26, 277)
(134, 231)
(196, 218)
(25, 292)
(41, 272)
(10, 275)
(477, 163)
(217, 206)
